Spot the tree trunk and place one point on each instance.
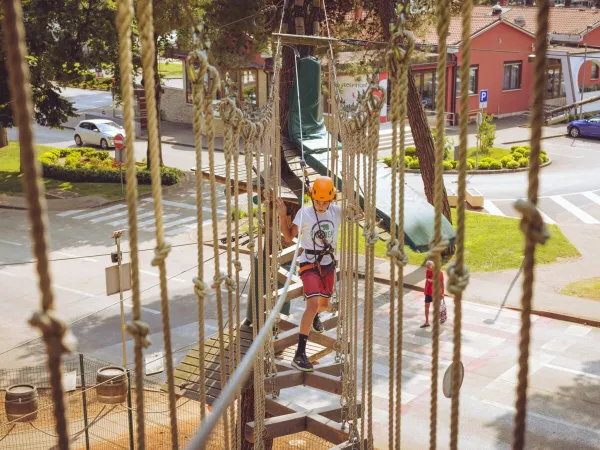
(3, 137)
(248, 416)
(157, 92)
(418, 121)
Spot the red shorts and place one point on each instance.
(316, 285)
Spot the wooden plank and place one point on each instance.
(287, 255)
(326, 429)
(287, 379)
(279, 407)
(324, 382)
(279, 426)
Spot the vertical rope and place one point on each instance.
(532, 224)
(438, 244)
(458, 275)
(55, 332)
(162, 248)
(139, 330)
(200, 287)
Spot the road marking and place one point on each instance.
(124, 221)
(593, 197)
(110, 216)
(567, 156)
(175, 223)
(71, 255)
(577, 212)
(70, 213)
(16, 244)
(540, 416)
(547, 196)
(147, 272)
(100, 212)
(55, 286)
(190, 227)
(143, 308)
(573, 371)
(492, 209)
(151, 221)
(185, 206)
(545, 218)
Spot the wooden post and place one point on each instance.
(84, 400)
(248, 416)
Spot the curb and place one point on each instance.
(186, 177)
(542, 138)
(486, 172)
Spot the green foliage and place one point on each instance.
(524, 162)
(517, 155)
(454, 163)
(447, 165)
(486, 134)
(495, 165)
(414, 164)
(544, 158)
(448, 145)
(526, 153)
(512, 164)
(411, 151)
(484, 165)
(506, 159)
(387, 160)
(471, 162)
(88, 165)
(470, 165)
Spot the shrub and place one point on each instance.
(488, 160)
(487, 134)
(448, 145)
(387, 160)
(411, 151)
(471, 161)
(470, 165)
(408, 160)
(523, 162)
(506, 159)
(73, 159)
(517, 155)
(495, 165)
(544, 158)
(414, 164)
(484, 165)
(512, 164)
(526, 153)
(543, 152)
(513, 147)
(241, 214)
(447, 165)
(454, 163)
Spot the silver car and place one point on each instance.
(100, 132)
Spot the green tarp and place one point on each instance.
(418, 214)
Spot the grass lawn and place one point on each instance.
(589, 288)
(496, 153)
(171, 70)
(495, 243)
(10, 179)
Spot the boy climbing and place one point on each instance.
(318, 227)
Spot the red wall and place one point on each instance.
(501, 43)
(588, 75)
(592, 38)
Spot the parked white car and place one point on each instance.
(100, 132)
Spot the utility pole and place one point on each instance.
(117, 237)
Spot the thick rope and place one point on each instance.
(213, 85)
(458, 275)
(200, 287)
(162, 248)
(139, 330)
(55, 332)
(532, 223)
(438, 244)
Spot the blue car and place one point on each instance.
(586, 127)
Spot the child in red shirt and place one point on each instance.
(429, 290)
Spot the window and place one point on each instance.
(512, 75)
(555, 86)
(425, 81)
(473, 81)
(595, 71)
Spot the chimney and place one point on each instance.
(496, 10)
(520, 21)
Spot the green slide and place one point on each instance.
(418, 214)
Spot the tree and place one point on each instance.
(416, 116)
(64, 38)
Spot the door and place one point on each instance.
(94, 134)
(84, 131)
(593, 127)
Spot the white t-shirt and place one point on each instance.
(330, 222)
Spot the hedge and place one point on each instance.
(98, 169)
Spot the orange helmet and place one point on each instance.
(323, 189)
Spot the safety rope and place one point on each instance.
(438, 244)
(138, 329)
(55, 332)
(458, 274)
(532, 223)
(146, 27)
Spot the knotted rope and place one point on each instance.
(53, 330)
(532, 224)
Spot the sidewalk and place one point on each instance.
(493, 288)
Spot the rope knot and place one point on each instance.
(200, 287)
(160, 254)
(237, 264)
(214, 81)
(139, 329)
(458, 278)
(532, 224)
(436, 248)
(371, 238)
(248, 130)
(197, 75)
(218, 280)
(396, 254)
(251, 244)
(56, 334)
(227, 110)
(354, 213)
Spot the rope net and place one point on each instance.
(358, 125)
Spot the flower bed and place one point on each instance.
(517, 158)
(88, 164)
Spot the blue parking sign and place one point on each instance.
(483, 96)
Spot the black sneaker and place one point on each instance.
(317, 325)
(302, 363)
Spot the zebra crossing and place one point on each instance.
(178, 216)
(385, 138)
(576, 208)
